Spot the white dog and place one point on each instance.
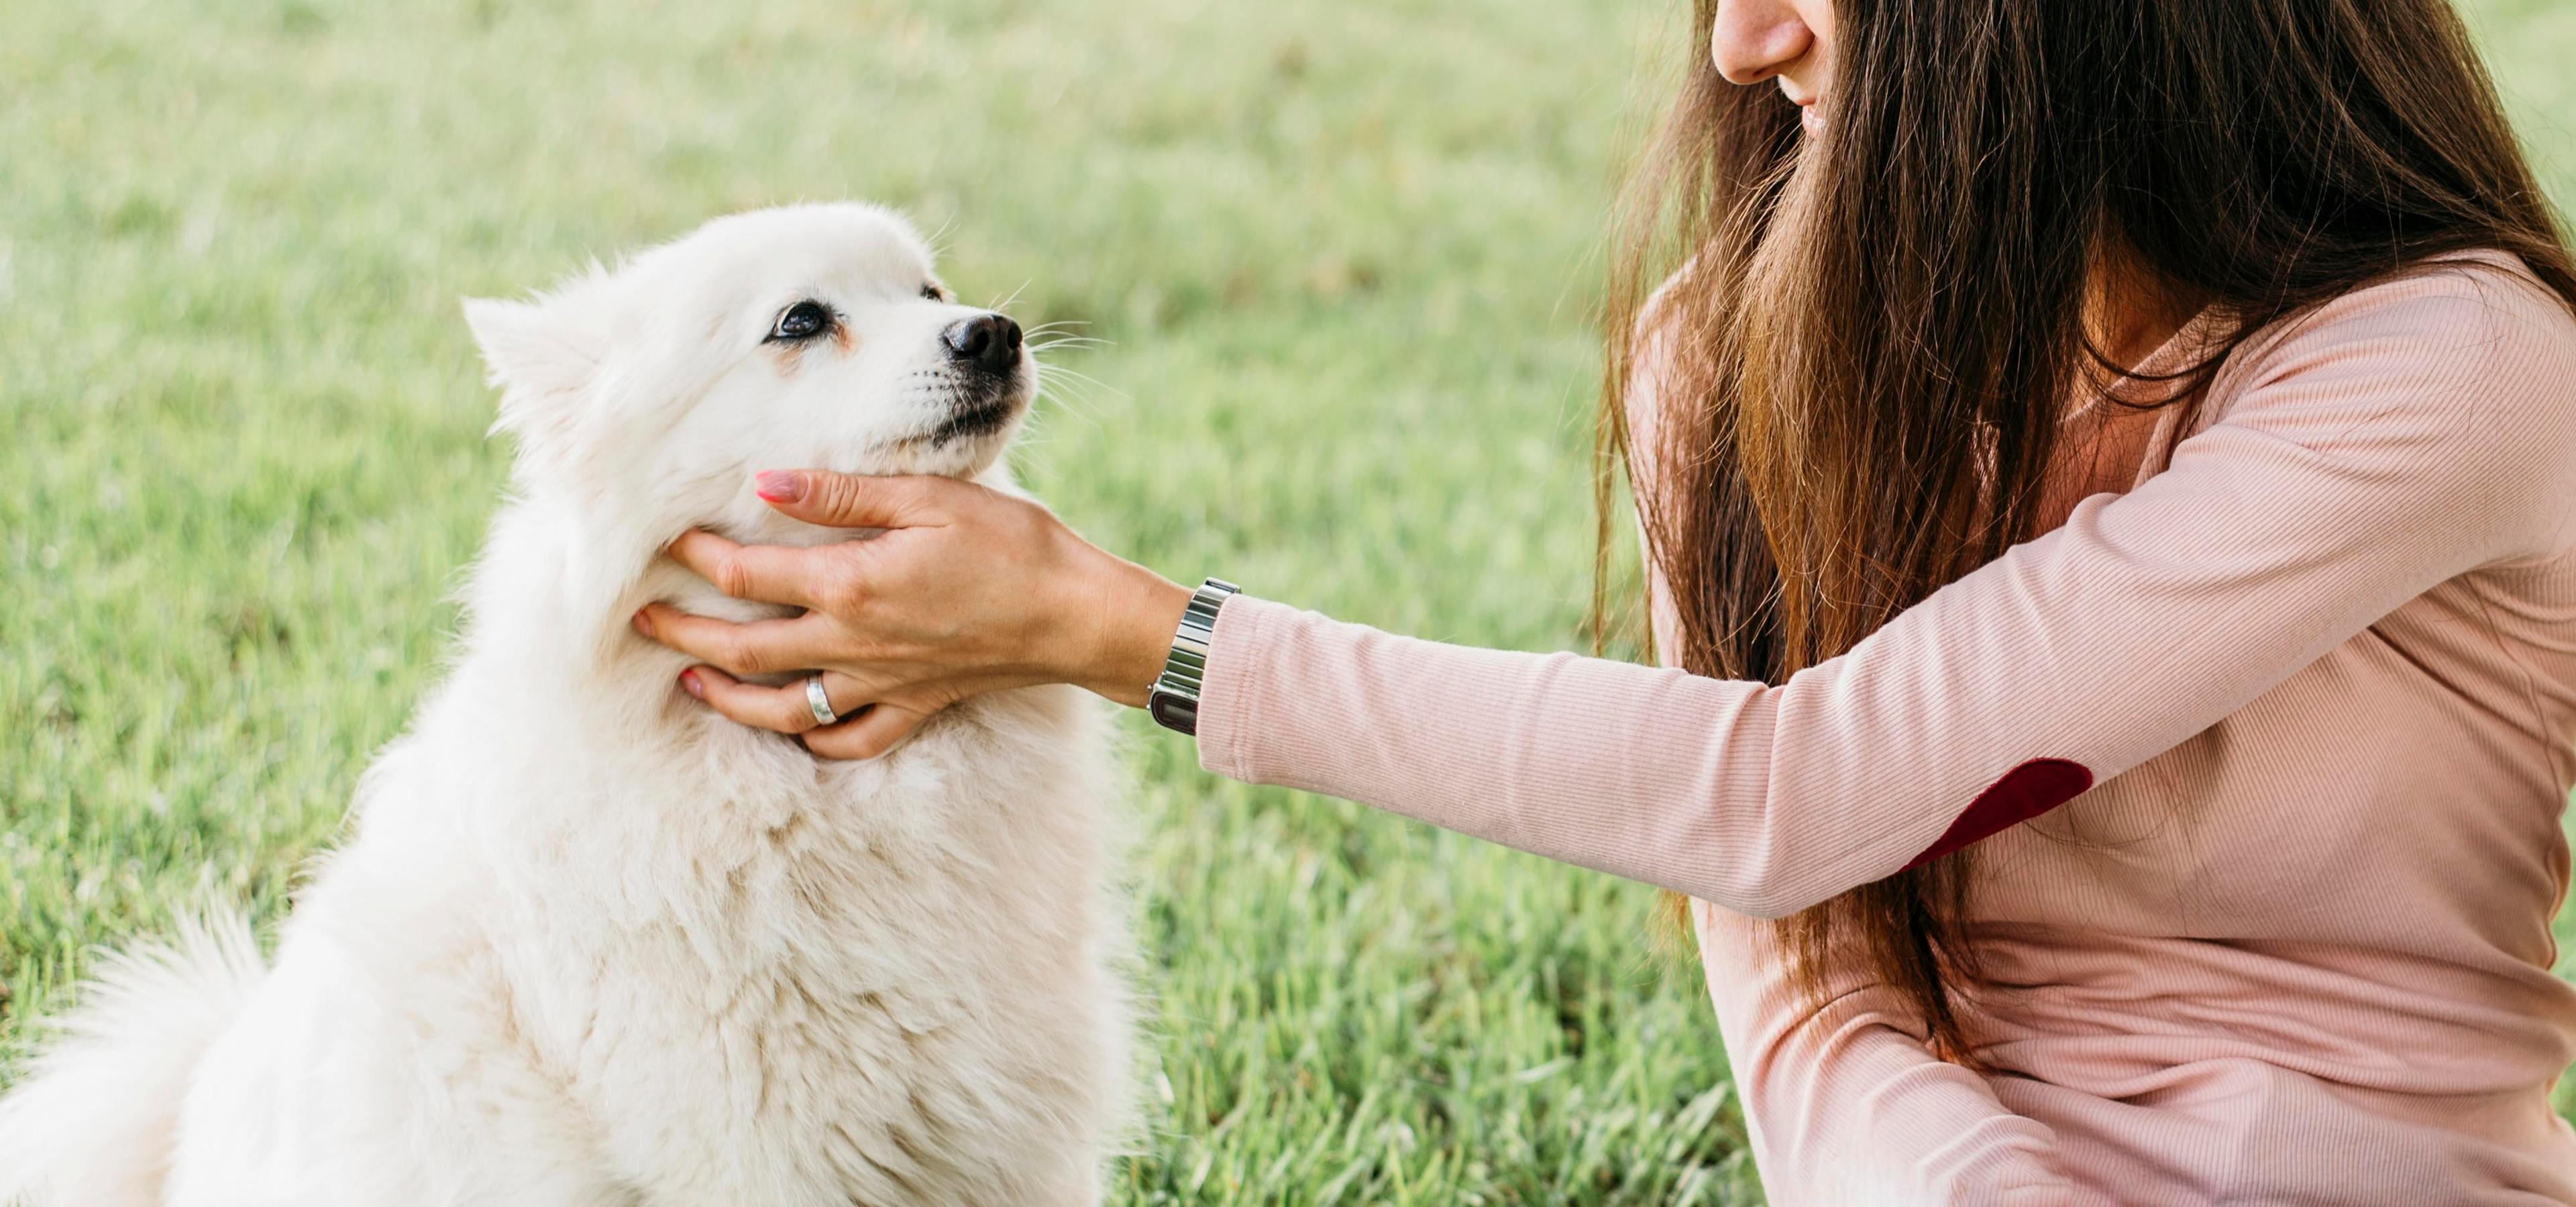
(590, 944)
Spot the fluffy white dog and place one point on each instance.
(590, 944)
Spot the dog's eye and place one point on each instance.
(933, 293)
(804, 320)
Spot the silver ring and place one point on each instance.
(820, 703)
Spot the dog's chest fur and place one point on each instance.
(756, 978)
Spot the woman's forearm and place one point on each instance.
(1626, 769)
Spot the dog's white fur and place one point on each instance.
(591, 945)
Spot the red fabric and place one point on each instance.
(2023, 793)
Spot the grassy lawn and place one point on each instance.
(1345, 254)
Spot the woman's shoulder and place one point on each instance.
(2456, 376)
(2473, 319)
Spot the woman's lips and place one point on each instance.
(1809, 114)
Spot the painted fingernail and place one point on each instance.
(689, 683)
(643, 624)
(781, 486)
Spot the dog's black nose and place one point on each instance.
(987, 341)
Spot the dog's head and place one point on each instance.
(804, 336)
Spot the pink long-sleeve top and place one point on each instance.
(2316, 660)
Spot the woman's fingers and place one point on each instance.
(833, 500)
(783, 709)
(871, 733)
(867, 731)
(759, 647)
(788, 710)
(767, 573)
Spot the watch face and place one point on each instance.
(1174, 712)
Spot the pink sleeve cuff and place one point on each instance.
(1246, 634)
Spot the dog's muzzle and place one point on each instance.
(987, 383)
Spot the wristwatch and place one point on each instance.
(1175, 700)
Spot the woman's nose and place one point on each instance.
(1754, 39)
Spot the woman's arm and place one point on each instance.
(1847, 1103)
(2402, 436)
(2405, 435)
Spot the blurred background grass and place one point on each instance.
(1345, 254)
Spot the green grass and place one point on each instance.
(1346, 253)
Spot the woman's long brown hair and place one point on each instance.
(1859, 375)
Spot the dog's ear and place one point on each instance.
(529, 349)
(541, 359)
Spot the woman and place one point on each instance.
(2108, 472)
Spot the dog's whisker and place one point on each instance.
(1062, 372)
(1063, 377)
(938, 240)
(1058, 373)
(1005, 303)
(1062, 406)
(1070, 399)
(1063, 397)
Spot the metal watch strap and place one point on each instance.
(1175, 699)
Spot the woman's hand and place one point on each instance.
(968, 590)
